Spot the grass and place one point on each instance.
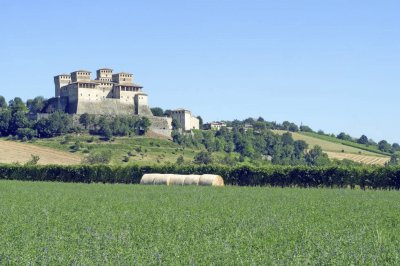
(140, 150)
(54, 223)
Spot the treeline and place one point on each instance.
(280, 176)
(256, 145)
(18, 119)
(260, 124)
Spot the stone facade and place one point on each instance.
(186, 119)
(111, 94)
(108, 94)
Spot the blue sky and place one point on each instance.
(332, 64)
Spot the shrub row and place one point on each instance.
(283, 176)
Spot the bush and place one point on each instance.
(103, 157)
(282, 176)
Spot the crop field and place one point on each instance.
(91, 224)
(365, 159)
(17, 152)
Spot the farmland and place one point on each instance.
(55, 223)
(337, 150)
(17, 152)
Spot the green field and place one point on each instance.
(55, 223)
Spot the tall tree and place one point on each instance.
(157, 111)
(3, 103)
(363, 140)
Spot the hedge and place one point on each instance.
(282, 176)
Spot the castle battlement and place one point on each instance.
(107, 94)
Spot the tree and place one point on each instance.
(103, 157)
(305, 128)
(157, 111)
(316, 157)
(17, 105)
(175, 124)
(344, 136)
(26, 133)
(394, 160)
(299, 147)
(396, 146)
(293, 127)
(33, 161)
(203, 157)
(36, 105)
(200, 122)
(3, 103)
(384, 146)
(85, 119)
(180, 160)
(5, 118)
(363, 140)
(142, 125)
(287, 138)
(18, 120)
(167, 113)
(55, 124)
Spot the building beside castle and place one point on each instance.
(186, 119)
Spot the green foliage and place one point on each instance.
(33, 161)
(180, 160)
(363, 140)
(281, 176)
(3, 103)
(316, 157)
(5, 118)
(27, 133)
(56, 124)
(176, 125)
(102, 157)
(203, 157)
(157, 111)
(35, 105)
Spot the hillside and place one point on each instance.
(337, 150)
(18, 152)
(150, 150)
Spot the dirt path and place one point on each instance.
(12, 152)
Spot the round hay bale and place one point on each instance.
(191, 180)
(181, 180)
(161, 179)
(148, 179)
(177, 180)
(211, 180)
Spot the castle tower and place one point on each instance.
(80, 75)
(123, 78)
(142, 105)
(104, 74)
(61, 81)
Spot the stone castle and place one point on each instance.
(111, 94)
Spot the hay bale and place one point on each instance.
(182, 180)
(191, 180)
(211, 180)
(177, 180)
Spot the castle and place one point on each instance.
(111, 94)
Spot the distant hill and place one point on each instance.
(336, 150)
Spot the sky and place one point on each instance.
(332, 65)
